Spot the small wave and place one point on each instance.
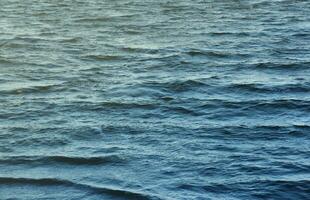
(183, 110)
(177, 86)
(106, 105)
(125, 128)
(237, 34)
(207, 53)
(281, 66)
(185, 85)
(292, 166)
(215, 54)
(262, 88)
(257, 132)
(133, 32)
(296, 189)
(286, 104)
(4, 43)
(102, 57)
(71, 40)
(127, 105)
(6, 61)
(32, 181)
(218, 188)
(39, 160)
(92, 19)
(103, 18)
(121, 193)
(167, 98)
(139, 50)
(302, 35)
(259, 105)
(34, 89)
(264, 189)
(31, 40)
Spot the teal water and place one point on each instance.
(145, 99)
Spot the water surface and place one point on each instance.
(145, 99)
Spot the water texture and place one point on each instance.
(155, 100)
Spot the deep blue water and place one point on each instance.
(146, 99)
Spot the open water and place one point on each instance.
(154, 99)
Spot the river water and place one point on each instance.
(145, 99)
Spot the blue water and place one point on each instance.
(145, 99)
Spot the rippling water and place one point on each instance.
(145, 99)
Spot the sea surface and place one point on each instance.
(154, 99)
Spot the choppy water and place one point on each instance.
(145, 99)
